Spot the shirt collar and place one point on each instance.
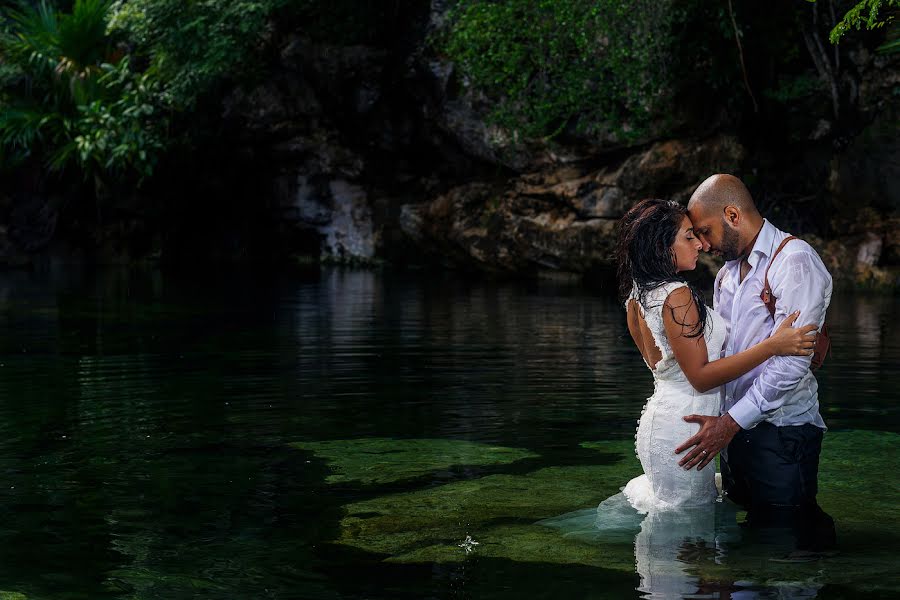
(764, 241)
(763, 246)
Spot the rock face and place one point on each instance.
(388, 151)
(506, 230)
(350, 230)
(870, 169)
(866, 257)
(343, 144)
(559, 219)
(557, 214)
(337, 213)
(317, 189)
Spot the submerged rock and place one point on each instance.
(501, 512)
(384, 460)
(498, 511)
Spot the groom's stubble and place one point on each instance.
(731, 242)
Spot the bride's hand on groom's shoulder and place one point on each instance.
(787, 340)
(715, 433)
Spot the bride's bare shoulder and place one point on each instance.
(679, 297)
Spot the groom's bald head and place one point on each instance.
(724, 216)
(719, 191)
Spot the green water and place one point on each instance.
(339, 434)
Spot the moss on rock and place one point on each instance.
(500, 512)
(384, 460)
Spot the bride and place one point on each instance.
(681, 341)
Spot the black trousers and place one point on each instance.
(773, 473)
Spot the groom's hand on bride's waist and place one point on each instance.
(714, 434)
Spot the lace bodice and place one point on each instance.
(667, 369)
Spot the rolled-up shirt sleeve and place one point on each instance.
(801, 283)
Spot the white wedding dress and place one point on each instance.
(665, 484)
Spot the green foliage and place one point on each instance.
(68, 99)
(545, 64)
(72, 97)
(59, 50)
(120, 133)
(93, 88)
(892, 45)
(868, 14)
(193, 46)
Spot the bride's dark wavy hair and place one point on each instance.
(645, 256)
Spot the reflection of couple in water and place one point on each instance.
(739, 370)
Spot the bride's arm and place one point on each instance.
(679, 317)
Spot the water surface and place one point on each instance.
(234, 436)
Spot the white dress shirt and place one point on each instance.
(782, 390)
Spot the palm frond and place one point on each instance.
(61, 155)
(33, 40)
(21, 126)
(83, 39)
(60, 49)
(892, 43)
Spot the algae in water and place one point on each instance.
(857, 487)
(371, 461)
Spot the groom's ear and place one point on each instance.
(732, 215)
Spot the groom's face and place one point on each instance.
(716, 235)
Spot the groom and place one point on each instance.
(770, 430)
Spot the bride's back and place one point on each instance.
(641, 334)
(645, 324)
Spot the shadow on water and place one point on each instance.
(184, 438)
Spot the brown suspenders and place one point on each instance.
(823, 342)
